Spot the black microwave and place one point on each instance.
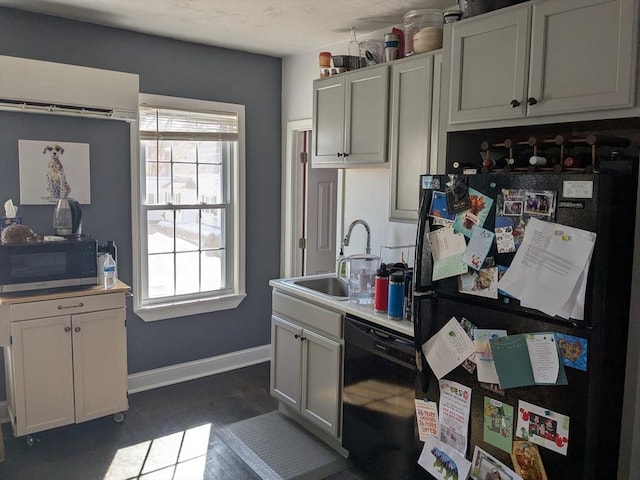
(48, 264)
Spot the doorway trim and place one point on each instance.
(290, 262)
(291, 199)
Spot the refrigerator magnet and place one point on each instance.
(573, 351)
(527, 461)
(478, 247)
(498, 424)
(543, 427)
(476, 214)
(485, 466)
(439, 211)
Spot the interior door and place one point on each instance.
(321, 219)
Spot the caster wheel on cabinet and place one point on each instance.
(119, 417)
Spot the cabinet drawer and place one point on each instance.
(309, 314)
(66, 306)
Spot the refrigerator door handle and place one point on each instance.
(423, 261)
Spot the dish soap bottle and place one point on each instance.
(109, 269)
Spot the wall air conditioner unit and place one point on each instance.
(56, 88)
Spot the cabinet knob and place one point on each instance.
(296, 336)
(515, 103)
(339, 154)
(345, 154)
(77, 329)
(67, 329)
(531, 101)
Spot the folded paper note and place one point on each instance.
(528, 359)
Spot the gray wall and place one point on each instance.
(165, 67)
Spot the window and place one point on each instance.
(188, 210)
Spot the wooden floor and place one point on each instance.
(169, 433)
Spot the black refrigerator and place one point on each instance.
(592, 398)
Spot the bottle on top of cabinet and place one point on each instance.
(109, 268)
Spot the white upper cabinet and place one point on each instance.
(544, 59)
(350, 119)
(581, 56)
(489, 64)
(413, 130)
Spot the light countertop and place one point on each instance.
(58, 293)
(364, 312)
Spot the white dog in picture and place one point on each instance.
(57, 185)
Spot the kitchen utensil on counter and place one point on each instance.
(361, 274)
(67, 218)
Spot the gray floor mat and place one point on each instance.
(277, 448)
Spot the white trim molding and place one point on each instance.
(291, 198)
(161, 377)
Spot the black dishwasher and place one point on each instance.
(379, 426)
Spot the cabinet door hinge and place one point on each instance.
(302, 243)
(304, 157)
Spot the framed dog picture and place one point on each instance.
(50, 170)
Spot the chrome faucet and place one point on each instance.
(347, 237)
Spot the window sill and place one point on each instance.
(165, 311)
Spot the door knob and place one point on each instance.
(531, 101)
(515, 103)
(77, 329)
(67, 329)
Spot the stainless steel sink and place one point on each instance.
(331, 286)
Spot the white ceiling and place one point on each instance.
(271, 27)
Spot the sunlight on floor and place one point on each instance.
(179, 456)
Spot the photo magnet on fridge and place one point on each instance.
(439, 211)
(457, 194)
(478, 211)
(498, 424)
(543, 427)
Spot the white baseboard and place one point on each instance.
(161, 377)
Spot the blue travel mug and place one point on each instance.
(395, 307)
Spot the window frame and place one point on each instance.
(174, 307)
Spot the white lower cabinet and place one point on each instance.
(306, 363)
(64, 369)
